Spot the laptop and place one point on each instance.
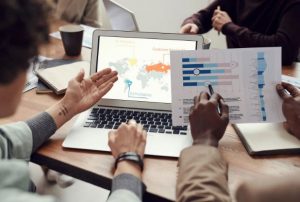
(120, 18)
(143, 91)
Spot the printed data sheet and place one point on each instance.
(246, 79)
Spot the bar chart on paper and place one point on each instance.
(246, 78)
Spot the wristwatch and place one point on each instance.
(130, 156)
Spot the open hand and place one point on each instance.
(290, 107)
(83, 93)
(207, 126)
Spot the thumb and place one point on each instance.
(80, 76)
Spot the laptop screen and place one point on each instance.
(143, 66)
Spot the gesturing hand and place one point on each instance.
(291, 107)
(219, 19)
(207, 126)
(83, 93)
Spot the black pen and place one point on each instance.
(211, 92)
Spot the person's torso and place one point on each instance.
(262, 16)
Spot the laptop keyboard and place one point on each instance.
(154, 122)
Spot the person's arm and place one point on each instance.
(91, 14)
(127, 184)
(202, 19)
(270, 189)
(15, 182)
(202, 171)
(20, 140)
(287, 35)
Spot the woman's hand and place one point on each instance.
(128, 138)
(82, 94)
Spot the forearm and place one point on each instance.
(61, 112)
(127, 184)
(42, 127)
(203, 17)
(202, 175)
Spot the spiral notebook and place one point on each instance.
(267, 138)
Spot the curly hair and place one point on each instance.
(23, 28)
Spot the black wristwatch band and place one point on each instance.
(130, 156)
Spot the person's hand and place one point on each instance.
(291, 107)
(128, 138)
(189, 28)
(81, 94)
(207, 126)
(219, 19)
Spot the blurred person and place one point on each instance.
(23, 29)
(78, 11)
(250, 23)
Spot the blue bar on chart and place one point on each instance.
(199, 78)
(261, 68)
(204, 59)
(207, 71)
(213, 83)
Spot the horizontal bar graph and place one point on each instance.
(200, 71)
(213, 83)
(188, 78)
(206, 71)
(204, 59)
(208, 65)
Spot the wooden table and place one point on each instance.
(160, 173)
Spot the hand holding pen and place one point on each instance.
(208, 125)
(219, 19)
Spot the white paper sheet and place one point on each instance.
(246, 78)
(87, 36)
(292, 80)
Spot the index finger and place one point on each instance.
(293, 90)
(99, 74)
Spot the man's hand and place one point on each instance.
(291, 107)
(189, 28)
(207, 126)
(128, 138)
(219, 19)
(81, 94)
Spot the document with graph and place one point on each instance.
(246, 78)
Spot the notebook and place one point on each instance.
(267, 138)
(142, 92)
(43, 88)
(57, 78)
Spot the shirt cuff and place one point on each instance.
(42, 127)
(129, 182)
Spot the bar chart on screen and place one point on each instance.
(246, 78)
